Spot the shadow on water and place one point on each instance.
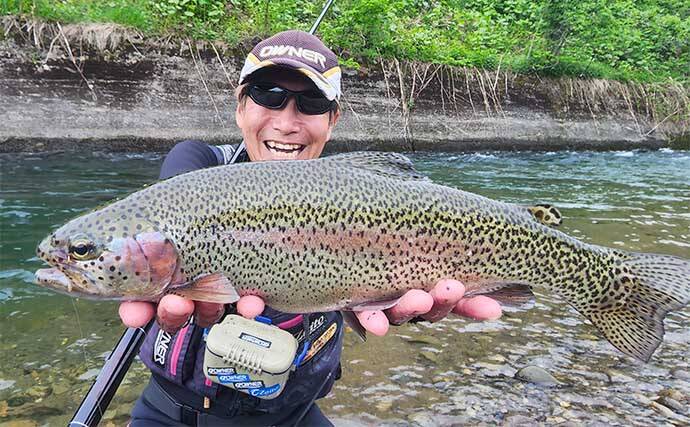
(452, 372)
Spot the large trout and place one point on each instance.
(344, 232)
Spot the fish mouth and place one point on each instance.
(59, 281)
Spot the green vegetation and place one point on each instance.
(647, 41)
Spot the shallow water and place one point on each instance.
(452, 372)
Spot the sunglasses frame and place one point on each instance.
(287, 94)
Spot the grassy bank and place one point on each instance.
(622, 40)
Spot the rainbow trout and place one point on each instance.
(349, 232)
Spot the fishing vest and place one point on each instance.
(179, 357)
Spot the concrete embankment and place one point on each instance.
(103, 87)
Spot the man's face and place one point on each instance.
(285, 134)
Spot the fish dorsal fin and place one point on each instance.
(390, 165)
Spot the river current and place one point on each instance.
(453, 372)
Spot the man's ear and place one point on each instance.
(239, 115)
(334, 117)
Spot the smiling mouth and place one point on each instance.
(277, 147)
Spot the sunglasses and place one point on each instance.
(274, 97)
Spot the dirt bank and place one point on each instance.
(80, 87)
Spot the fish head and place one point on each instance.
(97, 262)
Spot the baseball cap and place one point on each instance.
(300, 51)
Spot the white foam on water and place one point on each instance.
(666, 150)
(624, 153)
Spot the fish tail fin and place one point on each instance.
(643, 289)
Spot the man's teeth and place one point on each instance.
(285, 148)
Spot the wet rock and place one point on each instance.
(536, 375)
(618, 377)
(60, 388)
(674, 394)
(680, 374)
(430, 356)
(518, 420)
(19, 423)
(425, 339)
(422, 420)
(384, 406)
(88, 375)
(663, 410)
(673, 404)
(39, 392)
(18, 400)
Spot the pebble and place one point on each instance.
(19, 423)
(537, 375)
(518, 420)
(422, 420)
(673, 404)
(90, 374)
(425, 339)
(680, 374)
(39, 392)
(429, 355)
(673, 394)
(663, 410)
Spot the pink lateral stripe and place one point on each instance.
(290, 323)
(179, 340)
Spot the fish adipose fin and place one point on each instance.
(390, 165)
(644, 289)
(209, 288)
(546, 214)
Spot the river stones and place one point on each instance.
(536, 375)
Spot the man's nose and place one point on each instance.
(287, 119)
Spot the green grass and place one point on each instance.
(621, 40)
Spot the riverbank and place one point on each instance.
(106, 87)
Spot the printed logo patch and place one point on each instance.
(236, 378)
(265, 391)
(248, 385)
(161, 347)
(255, 340)
(320, 342)
(220, 371)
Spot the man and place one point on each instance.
(287, 108)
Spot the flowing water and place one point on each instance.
(452, 372)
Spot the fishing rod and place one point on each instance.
(97, 399)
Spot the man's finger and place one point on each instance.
(412, 304)
(207, 313)
(446, 294)
(173, 312)
(250, 306)
(479, 308)
(373, 321)
(136, 314)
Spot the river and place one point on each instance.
(452, 372)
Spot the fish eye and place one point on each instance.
(82, 250)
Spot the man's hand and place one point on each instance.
(446, 297)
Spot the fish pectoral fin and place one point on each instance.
(390, 165)
(352, 321)
(209, 288)
(546, 214)
(374, 305)
(515, 295)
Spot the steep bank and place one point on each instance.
(81, 86)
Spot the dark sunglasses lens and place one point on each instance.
(313, 103)
(269, 97)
